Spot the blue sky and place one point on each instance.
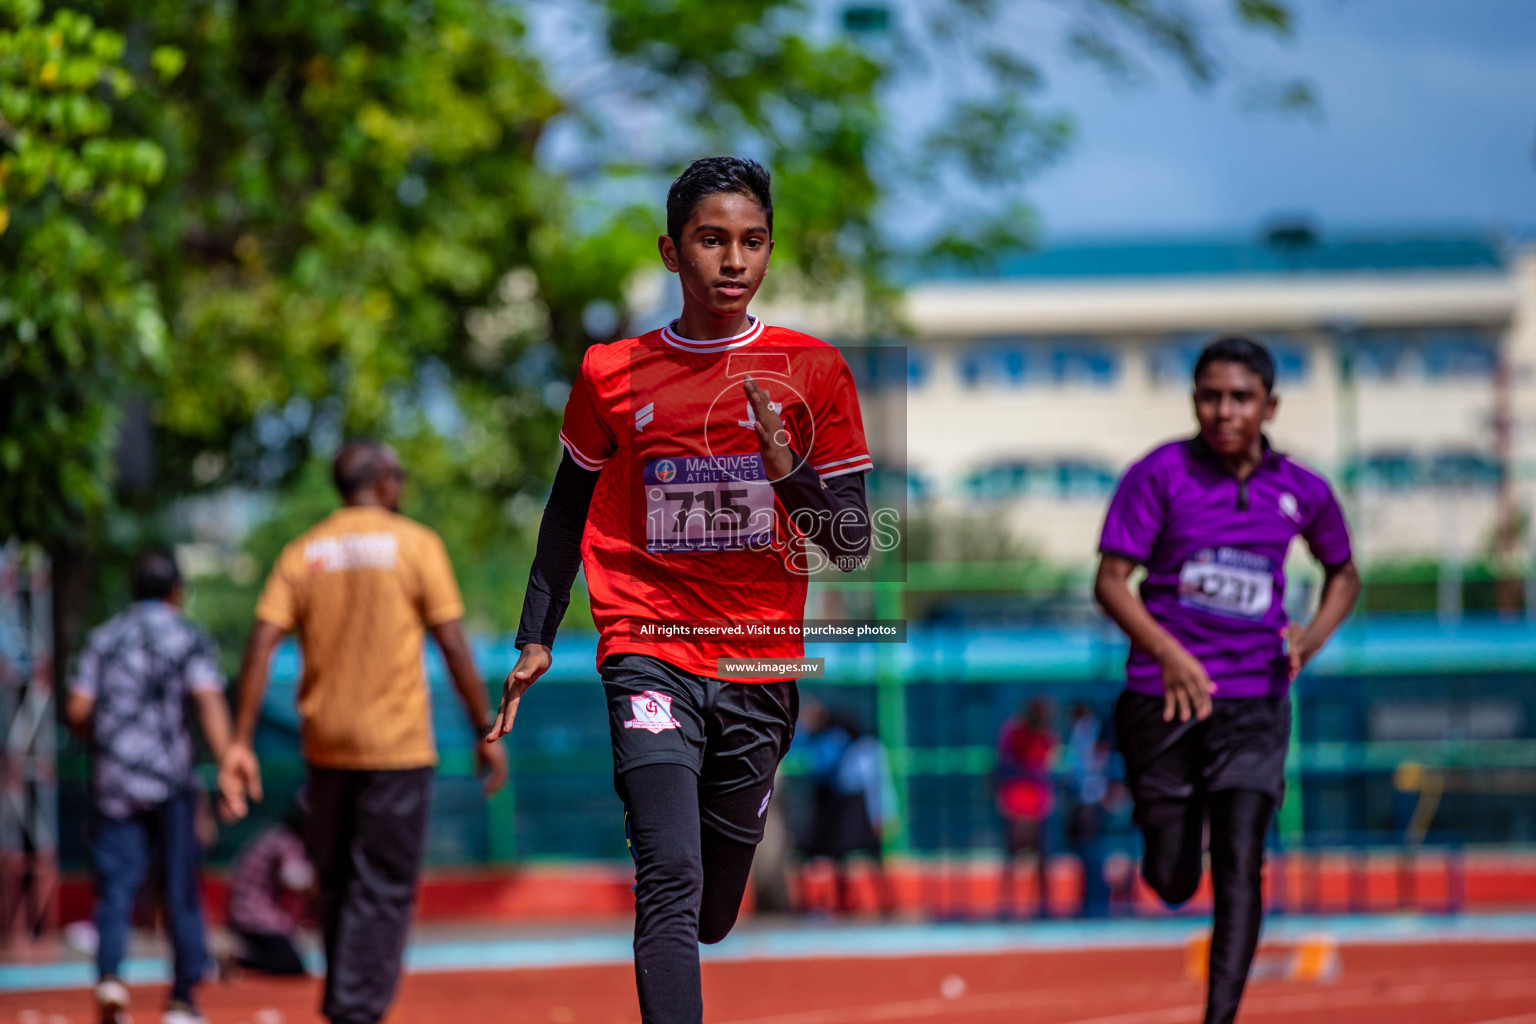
(1428, 120)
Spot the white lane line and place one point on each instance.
(1169, 1015)
(1255, 1004)
(917, 1009)
(1402, 995)
(1338, 1000)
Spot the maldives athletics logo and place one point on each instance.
(666, 471)
(653, 712)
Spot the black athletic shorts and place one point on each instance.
(1241, 746)
(733, 735)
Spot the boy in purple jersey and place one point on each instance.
(1205, 720)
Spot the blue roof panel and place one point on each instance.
(1216, 257)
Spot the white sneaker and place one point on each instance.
(182, 1013)
(112, 1001)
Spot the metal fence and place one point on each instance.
(29, 823)
(1389, 692)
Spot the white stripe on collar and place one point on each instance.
(746, 337)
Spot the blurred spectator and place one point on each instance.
(1025, 798)
(854, 800)
(269, 892)
(1088, 793)
(138, 675)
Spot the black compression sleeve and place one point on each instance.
(558, 554)
(670, 886)
(1239, 821)
(834, 513)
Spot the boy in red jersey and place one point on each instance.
(699, 460)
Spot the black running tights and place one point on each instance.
(689, 881)
(1172, 865)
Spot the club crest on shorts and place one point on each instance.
(653, 712)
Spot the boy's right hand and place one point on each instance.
(239, 779)
(1186, 687)
(533, 662)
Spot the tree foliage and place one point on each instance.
(77, 322)
(281, 223)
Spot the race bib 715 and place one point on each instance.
(707, 503)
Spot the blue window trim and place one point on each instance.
(1402, 470)
(1449, 352)
(1028, 360)
(1056, 479)
(1171, 360)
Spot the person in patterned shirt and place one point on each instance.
(128, 698)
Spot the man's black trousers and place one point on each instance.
(367, 830)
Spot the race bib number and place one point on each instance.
(707, 503)
(1228, 581)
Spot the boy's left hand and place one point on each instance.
(1298, 647)
(491, 766)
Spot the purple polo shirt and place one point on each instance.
(1214, 548)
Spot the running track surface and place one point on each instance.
(1397, 983)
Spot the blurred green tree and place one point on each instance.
(77, 318)
(410, 217)
(81, 324)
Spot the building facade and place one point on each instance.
(1407, 375)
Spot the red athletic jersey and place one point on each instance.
(684, 524)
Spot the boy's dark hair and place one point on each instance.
(358, 464)
(712, 175)
(1239, 348)
(155, 576)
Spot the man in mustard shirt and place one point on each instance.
(361, 589)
